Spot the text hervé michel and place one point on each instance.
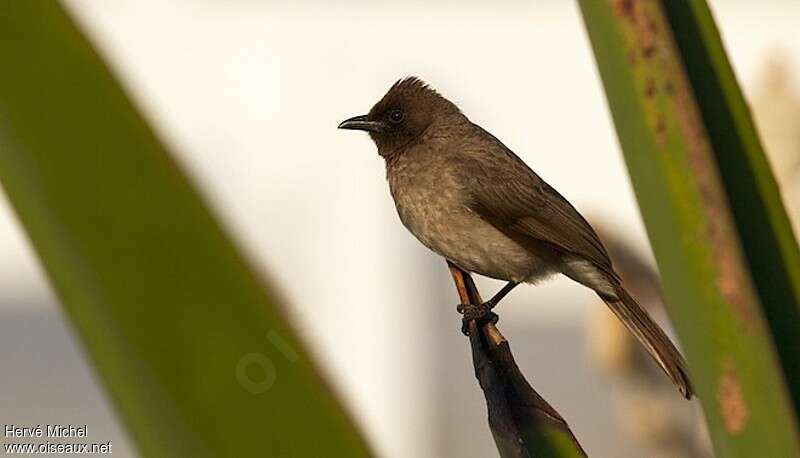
(45, 431)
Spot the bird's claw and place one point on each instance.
(481, 313)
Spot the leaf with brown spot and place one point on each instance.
(731, 401)
(728, 258)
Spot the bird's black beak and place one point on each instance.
(361, 123)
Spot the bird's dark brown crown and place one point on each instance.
(408, 109)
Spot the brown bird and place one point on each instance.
(469, 198)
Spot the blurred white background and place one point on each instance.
(248, 95)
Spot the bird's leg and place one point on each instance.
(483, 312)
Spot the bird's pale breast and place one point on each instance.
(432, 204)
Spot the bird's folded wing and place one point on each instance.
(510, 196)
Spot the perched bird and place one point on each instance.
(470, 199)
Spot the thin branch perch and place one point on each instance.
(523, 424)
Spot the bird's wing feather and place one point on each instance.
(508, 194)
(516, 201)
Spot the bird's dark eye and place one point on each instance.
(396, 116)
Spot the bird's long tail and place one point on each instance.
(650, 335)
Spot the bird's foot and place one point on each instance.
(481, 313)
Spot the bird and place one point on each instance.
(467, 197)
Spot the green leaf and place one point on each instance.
(766, 235)
(191, 346)
(727, 256)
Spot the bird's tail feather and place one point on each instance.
(650, 335)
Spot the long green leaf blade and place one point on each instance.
(764, 230)
(194, 352)
(702, 250)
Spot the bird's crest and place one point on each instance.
(414, 88)
(411, 86)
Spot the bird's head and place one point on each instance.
(403, 115)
